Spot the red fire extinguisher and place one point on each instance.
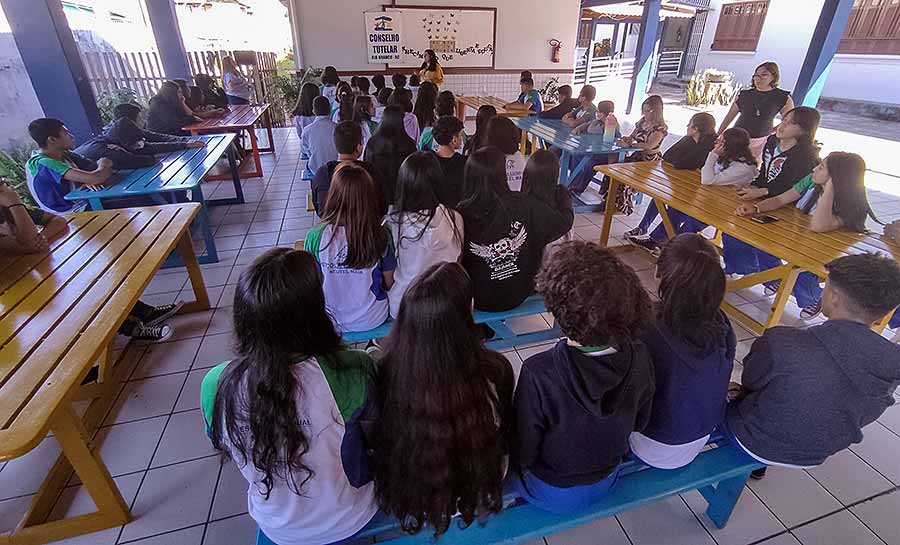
(555, 46)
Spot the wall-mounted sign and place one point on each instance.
(384, 37)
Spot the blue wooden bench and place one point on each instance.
(175, 173)
(718, 473)
(504, 338)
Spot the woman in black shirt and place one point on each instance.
(756, 107)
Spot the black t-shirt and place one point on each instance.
(450, 190)
(321, 183)
(758, 110)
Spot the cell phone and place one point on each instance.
(763, 218)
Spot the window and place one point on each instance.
(873, 28)
(740, 24)
(585, 32)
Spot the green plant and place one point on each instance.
(711, 87)
(12, 166)
(107, 101)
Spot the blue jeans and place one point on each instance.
(649, 216)
(742, 258)
(680, 221)
(579, 183)
(564, 500)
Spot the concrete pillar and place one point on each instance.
(168, 39)
(821, 51)
(643, 55)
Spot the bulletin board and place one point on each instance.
(460, 36)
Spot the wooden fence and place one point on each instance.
(142, 72)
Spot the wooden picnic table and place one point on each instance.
(476, 102)
(238, 119)
(59, 313)
(174, 174)
(789, 239)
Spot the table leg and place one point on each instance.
(268, 122)
(664, 214)
(212, 256)
(95, 204)
(879, 326)
(189, 258)
(524, 142)
(781, 299)
(564, 177)
(610, 211)
(254, 145)
(235, 176)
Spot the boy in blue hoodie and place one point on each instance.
(577, 403)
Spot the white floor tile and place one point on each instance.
(172, 498)
(881, 449)
(190, 325)
(664, 522)
(515, 361)
(783, 539)
(126, 448)
(24, 475)
(76, 501)
(526, 353)
(184, 439)
(881, 515)
(189, 398)
(891, 418)
(221, 320)
(188, 536)
(166, 282)
(231, 493)
(166, 358)
(849, 478)
(12, 511)
(604, 531)
(214, 350)
(749, 522)
(838, 529)
(240, 530)
(146, 398)
(793, 496)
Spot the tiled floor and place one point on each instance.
(154, 444)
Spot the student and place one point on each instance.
(362, 85)
(345, 104)
(382, 96)
(403, 98)
(577, 403)
(445, 105)
(354, 251)
(425, 232)
(892, 231)
(348, 144)
(330, 80)
(213, 95)
(167, 112)
(290, 408)
(317, 142)
(303, 109)
(448, 132)
(398, 81)
(387, 149)
(378, 83)
(237, 88)
(363, 111)
(806, 394)
(425, 103)
(529, 99)
(54, 170)
(586, 111)
(503, 134)
(25, 230)
(483, 116)
(354, 84)
(541, 180)
(414, 84)
(445, 410)
(506, 232)
(566, 104)
(759, 105)
(692, 345)
(603, 112)
(431, 71)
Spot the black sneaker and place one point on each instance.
(810, 312)
(153, 334)
(772, 289)
(162, 313)
(646, 243)
(758, 474)
(636, 232)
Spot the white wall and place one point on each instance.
(18, 102)
(785, 39)
(332, 31)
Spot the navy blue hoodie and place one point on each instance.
(574, 412)
(691, 389)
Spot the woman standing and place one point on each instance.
(237, 89)
(431, 69)
(756, 107)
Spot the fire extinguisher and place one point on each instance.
(555, 46)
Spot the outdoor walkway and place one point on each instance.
(154, 444)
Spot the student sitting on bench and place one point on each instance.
(806, 394)
(577, 403)
(347, 139)
(692, 346)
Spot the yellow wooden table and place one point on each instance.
(790, 238)
(475, 102)
(59, 312)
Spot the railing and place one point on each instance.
(668, 63)
(600, 69)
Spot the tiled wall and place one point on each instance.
(502, 85)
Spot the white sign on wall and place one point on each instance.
(459, 37)
(384, 37)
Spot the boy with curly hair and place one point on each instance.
(577, 403)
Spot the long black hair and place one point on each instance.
(304, 106)
(484, 115)
(691, 289)
(361, 106)
(541, 176)
(345, 98)
(485, 182)
(445, 104)
(431, 61)
(425, 103)
(737, 148)
(445, 409)
(417, 201)
(387, 148)
(851, 204)
(279, 321)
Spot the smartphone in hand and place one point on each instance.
(763, 218)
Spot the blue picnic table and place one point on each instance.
(173, 175)
(555, 133)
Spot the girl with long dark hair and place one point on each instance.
(541, 180)
(403, 98)
(445, 412)
(303, 109)
(503, 134)
(424, 231)
(431, 70)
(388, 148)
(354, 251)
(692, 345)
(425, 103)
(345, 101)
(445, 105)
(272, 408)
(731, 162)
(330, 79)
(482, 117)
(363, 112)
(168, 112)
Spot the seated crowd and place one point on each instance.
(421, 223)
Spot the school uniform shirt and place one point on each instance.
(585, 112)
(690, 396)
(411, 124)
(428, 143)
(355, 298)
(379, 113)
(575, 408)
(338, 395)
(46, 180)
(301, 122)
(504, 246)
(533, 96)
(736, 173)
(420, 244)
(329, 92)
(450, 190)
(688, 154)
(758, 110)
(560, 110)
(236, 85)
(317, 143)
(780, 170)
(515, 169)
(367, 128)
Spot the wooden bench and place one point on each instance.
(718, 473)
(59, 313)
(789, 239)
(505, 337)
(236, 120)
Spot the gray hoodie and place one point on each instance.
(811, 391)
